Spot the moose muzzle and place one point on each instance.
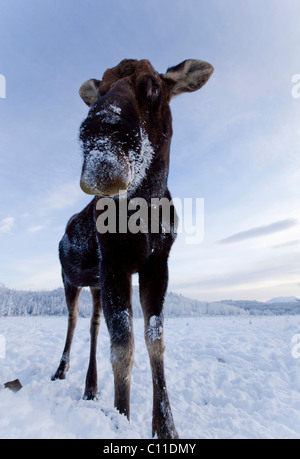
(105, 173)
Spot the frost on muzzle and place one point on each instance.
(107, 169)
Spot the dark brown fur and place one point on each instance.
(106, 262)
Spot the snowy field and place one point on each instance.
(228, 377)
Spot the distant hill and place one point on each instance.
(52, 303)
(267, 308)
(285, 299)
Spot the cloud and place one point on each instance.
(7, 224)
(35, 229)
(36, 272)
(260, 231)
(270, 272)
(64, 196)
(287, 244)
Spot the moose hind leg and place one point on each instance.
(72, 295)
(91, 383)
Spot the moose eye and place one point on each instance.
(150, 87)
(154, 91)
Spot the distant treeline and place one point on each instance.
(52, 303)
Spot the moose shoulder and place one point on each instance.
(125, 141)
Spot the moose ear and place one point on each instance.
(89, 91)
(188, 76)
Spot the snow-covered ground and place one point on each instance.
(228, 377)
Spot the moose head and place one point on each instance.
(129, 122)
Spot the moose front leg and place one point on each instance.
(153, 285)
(117, 309)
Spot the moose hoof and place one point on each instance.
(60, 374)
(90, 394)
(165, 430)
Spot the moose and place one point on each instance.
(125, 141)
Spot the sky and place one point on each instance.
(236, 142)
